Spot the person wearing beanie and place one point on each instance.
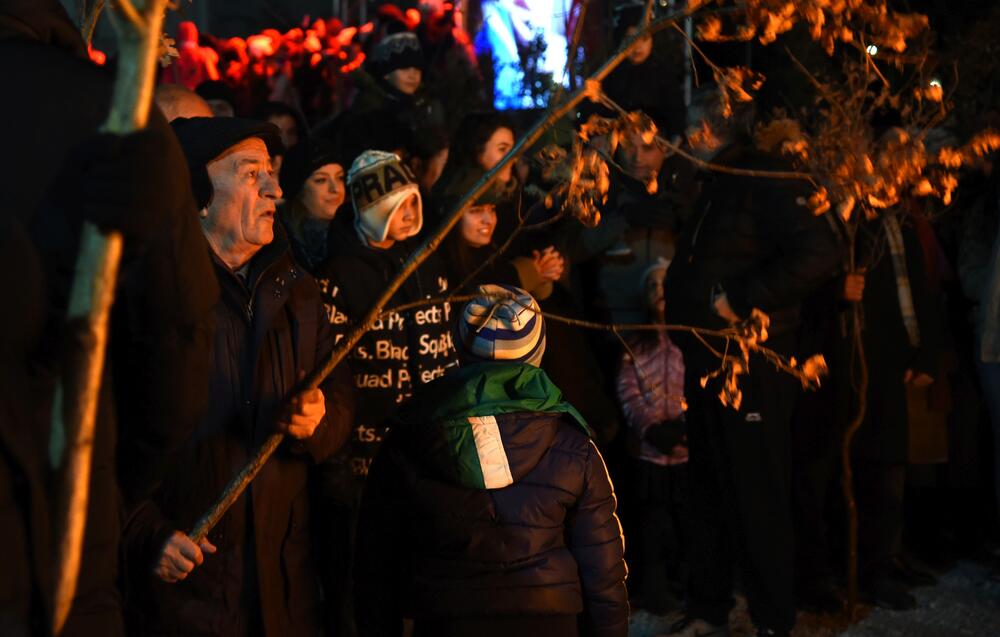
(403, 350)
(390, 84)
(387, 203)
(314, 184)
(493, 495)
(270, 329)
(399, 60)
(650, 388)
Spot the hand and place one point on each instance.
(919, 380)
(666, 435)
(723, 309)
(549, 264)
(854, 287)
(305, 412)
(179, 556)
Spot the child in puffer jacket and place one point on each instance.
(651, 391)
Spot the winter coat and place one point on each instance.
(267, 329)
(25, 580)
(651, 391)
(489, 500)
(884, 434)
(401, 351)
(755, 240)
(414, 112)
(156, 372)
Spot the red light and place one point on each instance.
(367, 27)
(412, 18)
(97, 57)
(353, 64)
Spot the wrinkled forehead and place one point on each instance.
(249, 151)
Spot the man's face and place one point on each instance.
(245, 189)
(404, 221)
(642, 49)
(642, 161)
(407, 80)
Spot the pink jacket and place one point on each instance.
(651, 391)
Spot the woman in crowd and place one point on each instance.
(480, 142)
(313, 181)
(470, 250)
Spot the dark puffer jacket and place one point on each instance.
(756, 240)
(490, 502)
(263, 578)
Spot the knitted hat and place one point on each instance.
(396, 51)
(380, 184)
(205, 138)
(502, 329)
(303, 160)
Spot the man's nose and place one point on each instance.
(271, 189)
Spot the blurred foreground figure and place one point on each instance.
(255, 573)
(488, 509)
(59, 173)
(749, 246)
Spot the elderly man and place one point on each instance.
(254, 573)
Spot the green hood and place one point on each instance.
(456, 423)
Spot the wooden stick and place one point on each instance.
(240, 482)
(847, 473)
(75, 413)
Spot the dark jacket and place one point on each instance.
(489, 500)
(156, 373)
(756, 240)
(400, 352)
(884, 434)
(25, 579)
(267, 329)
(414, 112)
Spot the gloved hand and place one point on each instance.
(666, 435)
(120, 182)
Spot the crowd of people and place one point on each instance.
(478, 466)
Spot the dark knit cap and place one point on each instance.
(396, 51)
(205, 138)
(303, 159)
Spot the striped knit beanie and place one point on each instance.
(503, 324)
